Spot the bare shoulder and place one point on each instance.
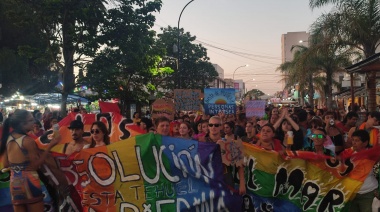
(29, 142)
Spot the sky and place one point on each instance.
(252, 27)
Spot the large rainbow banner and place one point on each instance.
(152, 173)
(313, 183)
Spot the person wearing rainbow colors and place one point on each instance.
(364, 197)
(370, 126)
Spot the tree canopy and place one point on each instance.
(122, 67)
(24, 66)
(196, 71)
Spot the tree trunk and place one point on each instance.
(371, 90)
(68, 50)
(328, 91)
(63, 104)
(123, 103)
(311, 91)
(301, 97)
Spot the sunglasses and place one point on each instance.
(96, 131)
(320, 136)
(216, 125)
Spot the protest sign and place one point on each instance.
(255, 108)
(187, 99)
(217, 100)
(162, 107)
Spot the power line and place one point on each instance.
(236, 53)
(236, 47)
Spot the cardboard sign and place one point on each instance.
(217, 100)
(161, 107)
(187, 99)
(255, 108)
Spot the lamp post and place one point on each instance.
(304, 42)
(233, 75)
(178, 45)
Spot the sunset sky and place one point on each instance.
(242, 32)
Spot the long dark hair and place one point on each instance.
(15, 121)
(103, 128)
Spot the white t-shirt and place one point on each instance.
(370, 183)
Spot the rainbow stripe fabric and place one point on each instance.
(153, 173)
(307, 182)
(157, 173)
(115, 122)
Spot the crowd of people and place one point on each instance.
(304, 129)
(280, 129)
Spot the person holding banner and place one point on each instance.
(202, 129)
(364, 197)
(229, 151)
(99, 135)
(76, 130)
(319, 137)
(185, 130)
(228, 129)
(267, 140)
(23, 158)
(250, 129)
(145, 124)
(174, 128)
(162, 125)
(136, 117)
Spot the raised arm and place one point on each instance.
(36, 158)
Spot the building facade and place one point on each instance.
(289, 40)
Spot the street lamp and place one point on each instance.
(179, 47)
(233, 75)
(304, 42)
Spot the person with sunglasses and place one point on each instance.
(99, 135)
(215, 136)
(319, 139)
(312, 124)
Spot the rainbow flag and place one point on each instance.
(117, 125)
(307, 182)
(152, 173)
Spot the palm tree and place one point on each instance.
(328, 56)
(297, 71)
(324, 57)
(355, 24)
